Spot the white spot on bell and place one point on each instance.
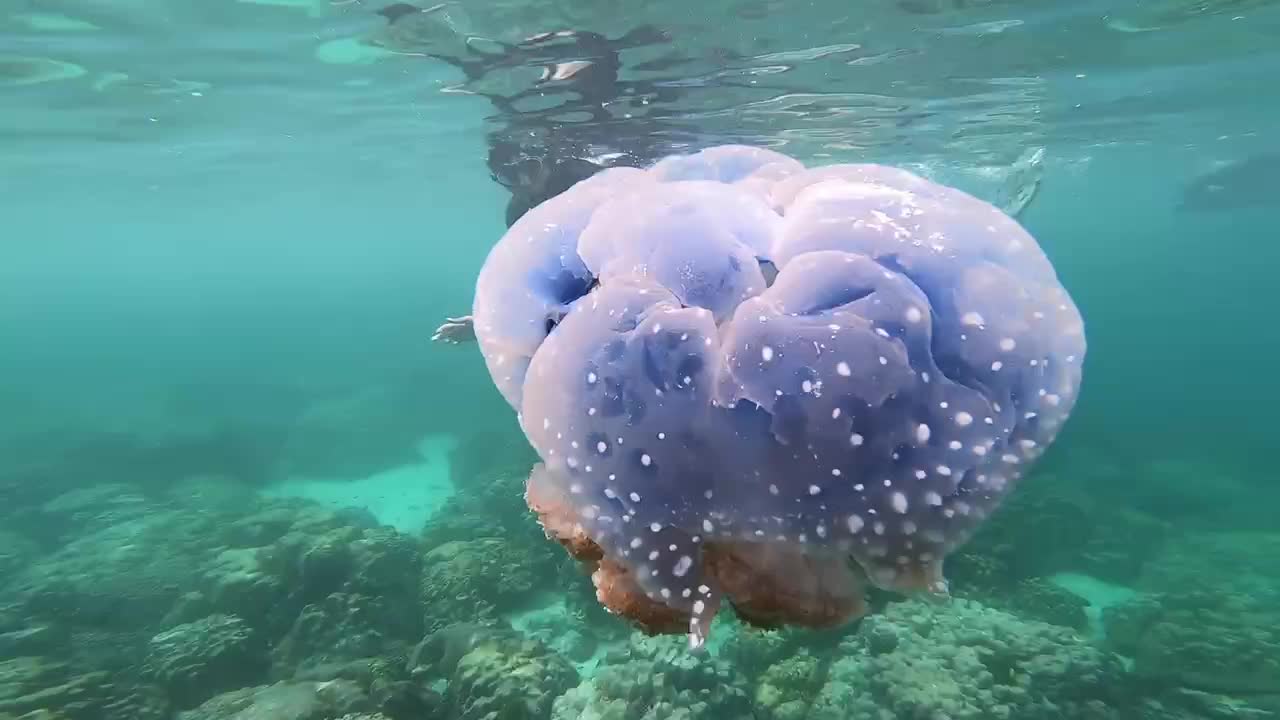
(682, 566)
(899, 503)
(922, 433)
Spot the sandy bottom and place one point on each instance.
(404, 497)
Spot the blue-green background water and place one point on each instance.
(225, 245)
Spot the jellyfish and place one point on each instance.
(765, 386)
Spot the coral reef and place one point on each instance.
(285, 701)
(492, 673)
(1043, 530)
(1209, 619)
(489, 511)
(476, 579)
(31, 685)
(964, 661)
(153, 605)
(1045, 601)
(252, 608)
(194, 661)
(654, 679)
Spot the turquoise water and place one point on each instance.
(239, 480)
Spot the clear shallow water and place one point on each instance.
(230, 232)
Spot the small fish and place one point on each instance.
(1244, 183)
